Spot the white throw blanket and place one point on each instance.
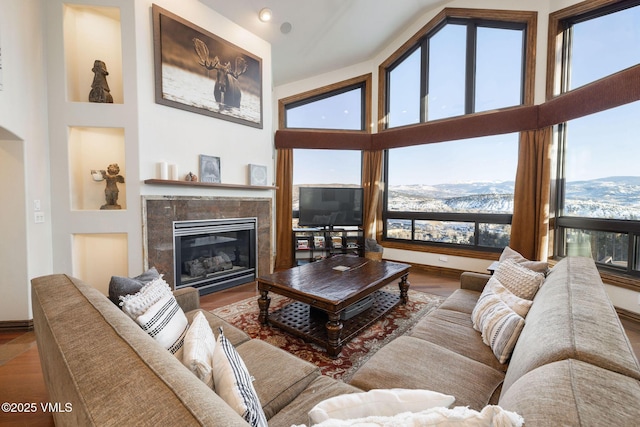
(490, 416)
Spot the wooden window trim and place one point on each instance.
(366, 79)
(525, 17)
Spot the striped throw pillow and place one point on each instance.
(157, 312)
(501, 330)
(499, 325)
(233, 383)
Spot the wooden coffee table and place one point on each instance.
(323, 290)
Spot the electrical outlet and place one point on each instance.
(36, 205)
(444, 258)
(39, 217)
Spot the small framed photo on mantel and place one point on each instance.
(209, 169)
(257, 175)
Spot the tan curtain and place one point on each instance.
(530, 224)
(284, 194)
(371, 177)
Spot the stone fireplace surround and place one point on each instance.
(159, 212)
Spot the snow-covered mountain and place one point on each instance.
(612, 197)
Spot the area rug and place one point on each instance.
(244, 315)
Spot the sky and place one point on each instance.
(600, 47)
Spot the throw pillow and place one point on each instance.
(234, 384)
(136, 304)
(515, 303)
(121, 286)
(157, 312)
(460, 416)
(499, 325)
(199, 345)
(380, 402)
(520, 280)
(538, 266)
(483, 308)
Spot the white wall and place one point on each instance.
(179, 137)
(25, 252)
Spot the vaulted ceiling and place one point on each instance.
(324, 34)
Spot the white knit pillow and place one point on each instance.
(157, 312)
(520, 280)
(199, 345)
(538, 266)
(517, 304)
(136, 304)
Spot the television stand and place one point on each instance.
(317, 243)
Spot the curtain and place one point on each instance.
(284, 184)
(371, 182)
(530, 224)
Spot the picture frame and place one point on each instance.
(209, 169)
(197, 71)
(257, 175)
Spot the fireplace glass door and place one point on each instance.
(212, 255)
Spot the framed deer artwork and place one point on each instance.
(200, 72)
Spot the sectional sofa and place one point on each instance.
(572, 365)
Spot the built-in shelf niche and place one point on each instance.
(97, 257)
(94, 148)
(90, 33)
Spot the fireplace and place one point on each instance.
(211, 255)
(160, 213)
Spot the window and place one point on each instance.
(598, 189)
(600, 43)
(342, 106)
(449, 194)
(461, 66)
(336, 110)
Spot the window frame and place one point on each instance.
(527, 21)
(560, 38)
(428, 246)
(363, 82)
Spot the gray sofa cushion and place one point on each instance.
(572, 318)
(462, 300)
(454, 330)
(409, 362)
(321, 388)
(571, 392)
(279, 376)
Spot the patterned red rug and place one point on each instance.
(244, 315)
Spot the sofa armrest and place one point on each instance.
(473, 281)
(188, 298)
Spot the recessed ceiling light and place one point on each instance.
(265, 14)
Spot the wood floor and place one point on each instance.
(21, 378)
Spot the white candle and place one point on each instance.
(164, 170)
(174, 172)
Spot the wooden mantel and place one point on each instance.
(208, 184)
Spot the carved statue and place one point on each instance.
(227, 89)
(113, 177)
(100, 91)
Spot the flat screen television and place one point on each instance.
(328, 207)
